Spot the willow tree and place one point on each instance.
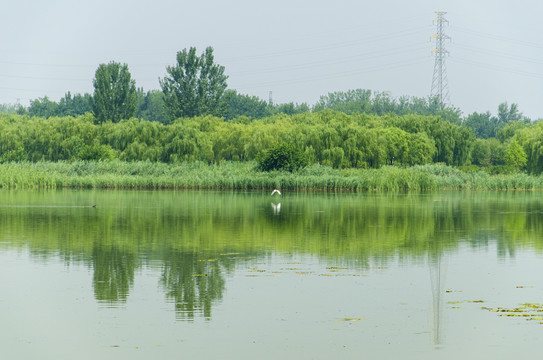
(114, 93)
(194, 86)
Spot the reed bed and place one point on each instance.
(245, 175)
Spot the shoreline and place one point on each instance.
(146, 175)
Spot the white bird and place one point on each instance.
(275, 192)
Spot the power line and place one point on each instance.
(337, 61)
(347, 73)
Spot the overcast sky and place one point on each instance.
(297, 49)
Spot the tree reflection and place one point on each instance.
(113, 273)
(193, 283)
(186, 233)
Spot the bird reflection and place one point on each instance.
(276, 208)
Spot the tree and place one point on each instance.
(291, 108)
(480, 154)
(43, 107)
(151, 106)
(508, 114)
(114, 93)
(244, 105)
(350, 102)
(482, 125)
(515, 156)
(12, 109)
(74, 105)
(194, 86)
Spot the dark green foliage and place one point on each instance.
(244, 105)
(362, 101)
(252, 107)
(69, 105)
(482, 125)
(290, 108)
(151, 106)
(507, 114)
(503, 126)
(43, 107)
(480, 154)
(282, 157)
(74, 105)
(114, 93)
(194, 86)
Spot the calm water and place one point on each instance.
(200, 275)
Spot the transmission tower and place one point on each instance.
(440, 85)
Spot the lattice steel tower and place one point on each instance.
(440, 85)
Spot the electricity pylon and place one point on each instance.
(440, 85)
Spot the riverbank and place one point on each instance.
(245, 175)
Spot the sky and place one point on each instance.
(297, 50)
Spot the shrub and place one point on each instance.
(282, 157)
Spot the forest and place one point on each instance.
(195, 117)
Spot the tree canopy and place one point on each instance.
(114, 93)
(194, 86)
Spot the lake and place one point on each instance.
(243, 275)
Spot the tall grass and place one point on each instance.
(245, 175)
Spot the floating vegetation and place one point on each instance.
(336, 275)
(464, 301)
(350, 319)
(528, 311)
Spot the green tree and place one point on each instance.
(510, 129)
(480, 154)
(114, 93)
(74, 105)
(421, 149)
(43, 107)
(151, 106)
(482, 125)
(515, 156)
(508, 113)
(291, 108)
(349, 102)
(244, 105)
(194, 86)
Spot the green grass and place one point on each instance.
(245, 175)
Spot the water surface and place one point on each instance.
(242, 275)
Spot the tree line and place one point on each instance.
(327, 137)
(196, 117)
(196, 86)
